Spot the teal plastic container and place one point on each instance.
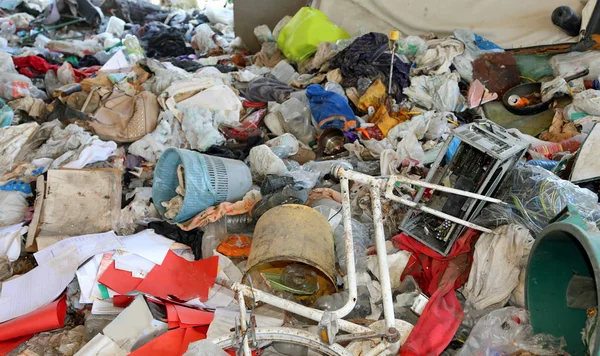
(563, 249)
(209, 180)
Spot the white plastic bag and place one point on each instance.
(263, 161)
(218, 14)
(197, 124)
(13, 207)
(219, 99)
(571, 63)
(508, 330)
(437, 92)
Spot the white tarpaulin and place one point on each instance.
(509, 23)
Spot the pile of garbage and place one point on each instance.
(164, 190)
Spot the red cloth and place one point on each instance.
(438, 276)
(30, 66)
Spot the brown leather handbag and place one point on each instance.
(126, 118)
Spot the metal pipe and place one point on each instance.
(379, 349)
(310, 313)
(390, 195)
(243, 325)
(442, 188)
(349, 244)
(290, 335)
(384, 272)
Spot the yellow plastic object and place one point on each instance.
(374, 96)
(310, 27)
(394, 35)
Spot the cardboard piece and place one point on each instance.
(50, 317)
(180, 278)
(75, 202)
(135, 323)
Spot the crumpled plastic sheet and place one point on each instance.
(168, 133)
(263, 161)
(437, 92)
(13, 207)
(508, 330)
(199, 129)
(534, 197)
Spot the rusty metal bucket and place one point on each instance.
(293, 234)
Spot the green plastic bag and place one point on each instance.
(310, 27)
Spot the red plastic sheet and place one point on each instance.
(179, 278)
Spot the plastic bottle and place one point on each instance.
(134, 49)
(297, 117)
(335, 301)
(570, 145)
(284, 146)
(8, 28)
(336, 88)
(324, 167)
(362, 240)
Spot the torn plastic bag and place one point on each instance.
(219, 99)
(76, 47)
(297, 120)
(411, 47)
(14, 86)
(218, 14)
(6, 114)
(13, 207)
(507, 331)
(202, 41)
(556, 87)
(535, 196)
(584, 104)
(571, 63)
(438, 92)
(200, 132)
(12, 141)
(263, 162)
(168, 133)
(299, 39)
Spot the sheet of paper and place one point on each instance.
(224, 319)
(101, 307)
(38, 287)
(121, 282)
(86, 277)
(136, 264)
(133, 323)
(101, 345)
(104, 264)
(147, 244)
(86, 246)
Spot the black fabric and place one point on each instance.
(87, 61)
(368, 56)
(262, 90)
(188, 66)
(191, 238)
(274, 183)
(235, 153)
(160, 40)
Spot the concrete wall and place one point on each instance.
(251, 13)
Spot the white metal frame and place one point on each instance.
(390, 338)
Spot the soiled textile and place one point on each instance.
(262, 90)
(366, 57)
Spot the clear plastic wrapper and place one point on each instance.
(535, 196)
(506, 331)
(362, 241)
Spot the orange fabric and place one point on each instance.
(214, 213)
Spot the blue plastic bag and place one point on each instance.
(330, 109)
